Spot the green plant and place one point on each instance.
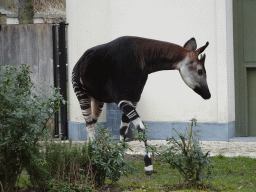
(65, 186)
(230, 174)
(68, 161)
(187, 156)
(142, 137)
(107, 157)
(76, 165)
(62, 164)
(23, 121)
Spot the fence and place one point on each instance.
(43, 48)
(30, 44)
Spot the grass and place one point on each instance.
(231, 174)
(238, 173)
(162, 177)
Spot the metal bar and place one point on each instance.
(55, 75)
(63, 80)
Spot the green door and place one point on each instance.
(251, 83)
(245, 66)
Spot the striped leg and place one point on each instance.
(85, 103)
(96, 109)
(129, 110)
(125, 123)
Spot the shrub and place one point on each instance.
(64, 167)
(106, 155)
(142, 137)
(187, 156)
(23, 121)
(77, 165)
(60, 161)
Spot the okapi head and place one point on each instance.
(192, 69)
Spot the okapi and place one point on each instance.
(116, 72)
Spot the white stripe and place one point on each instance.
(130, 113)
(128, 102)
(149, 168)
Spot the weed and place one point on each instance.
(187, 156)
(142, 137)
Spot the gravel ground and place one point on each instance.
(228, 149)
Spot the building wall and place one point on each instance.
(166, 98)
(89, 25)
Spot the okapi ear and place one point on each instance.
(201, 49)
(202, 58)
(191, 44)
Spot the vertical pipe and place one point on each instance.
(55, 74)
(63, 79)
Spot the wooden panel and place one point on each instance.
(249, 18)
(30, 44)
(251, 84)
(1, 46)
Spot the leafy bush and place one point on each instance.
(59, 161)
(23, 121)
(62, 167)
(81, 165)
(141, 135)
(106, 155)
(187, 156)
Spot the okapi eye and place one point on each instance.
(200, 72)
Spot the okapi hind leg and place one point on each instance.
(129, 110)
(85, 104)
(96, 109)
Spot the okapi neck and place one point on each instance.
(162, 56)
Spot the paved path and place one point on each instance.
(228, 149)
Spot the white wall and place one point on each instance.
(89, 25)
(165, 96)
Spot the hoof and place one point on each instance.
(149, 172)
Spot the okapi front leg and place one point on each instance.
(124, 127)
(129, 110)
(125, 123)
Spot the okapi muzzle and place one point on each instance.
(192, 69)
(203, 91)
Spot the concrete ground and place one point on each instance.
(232, 148)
